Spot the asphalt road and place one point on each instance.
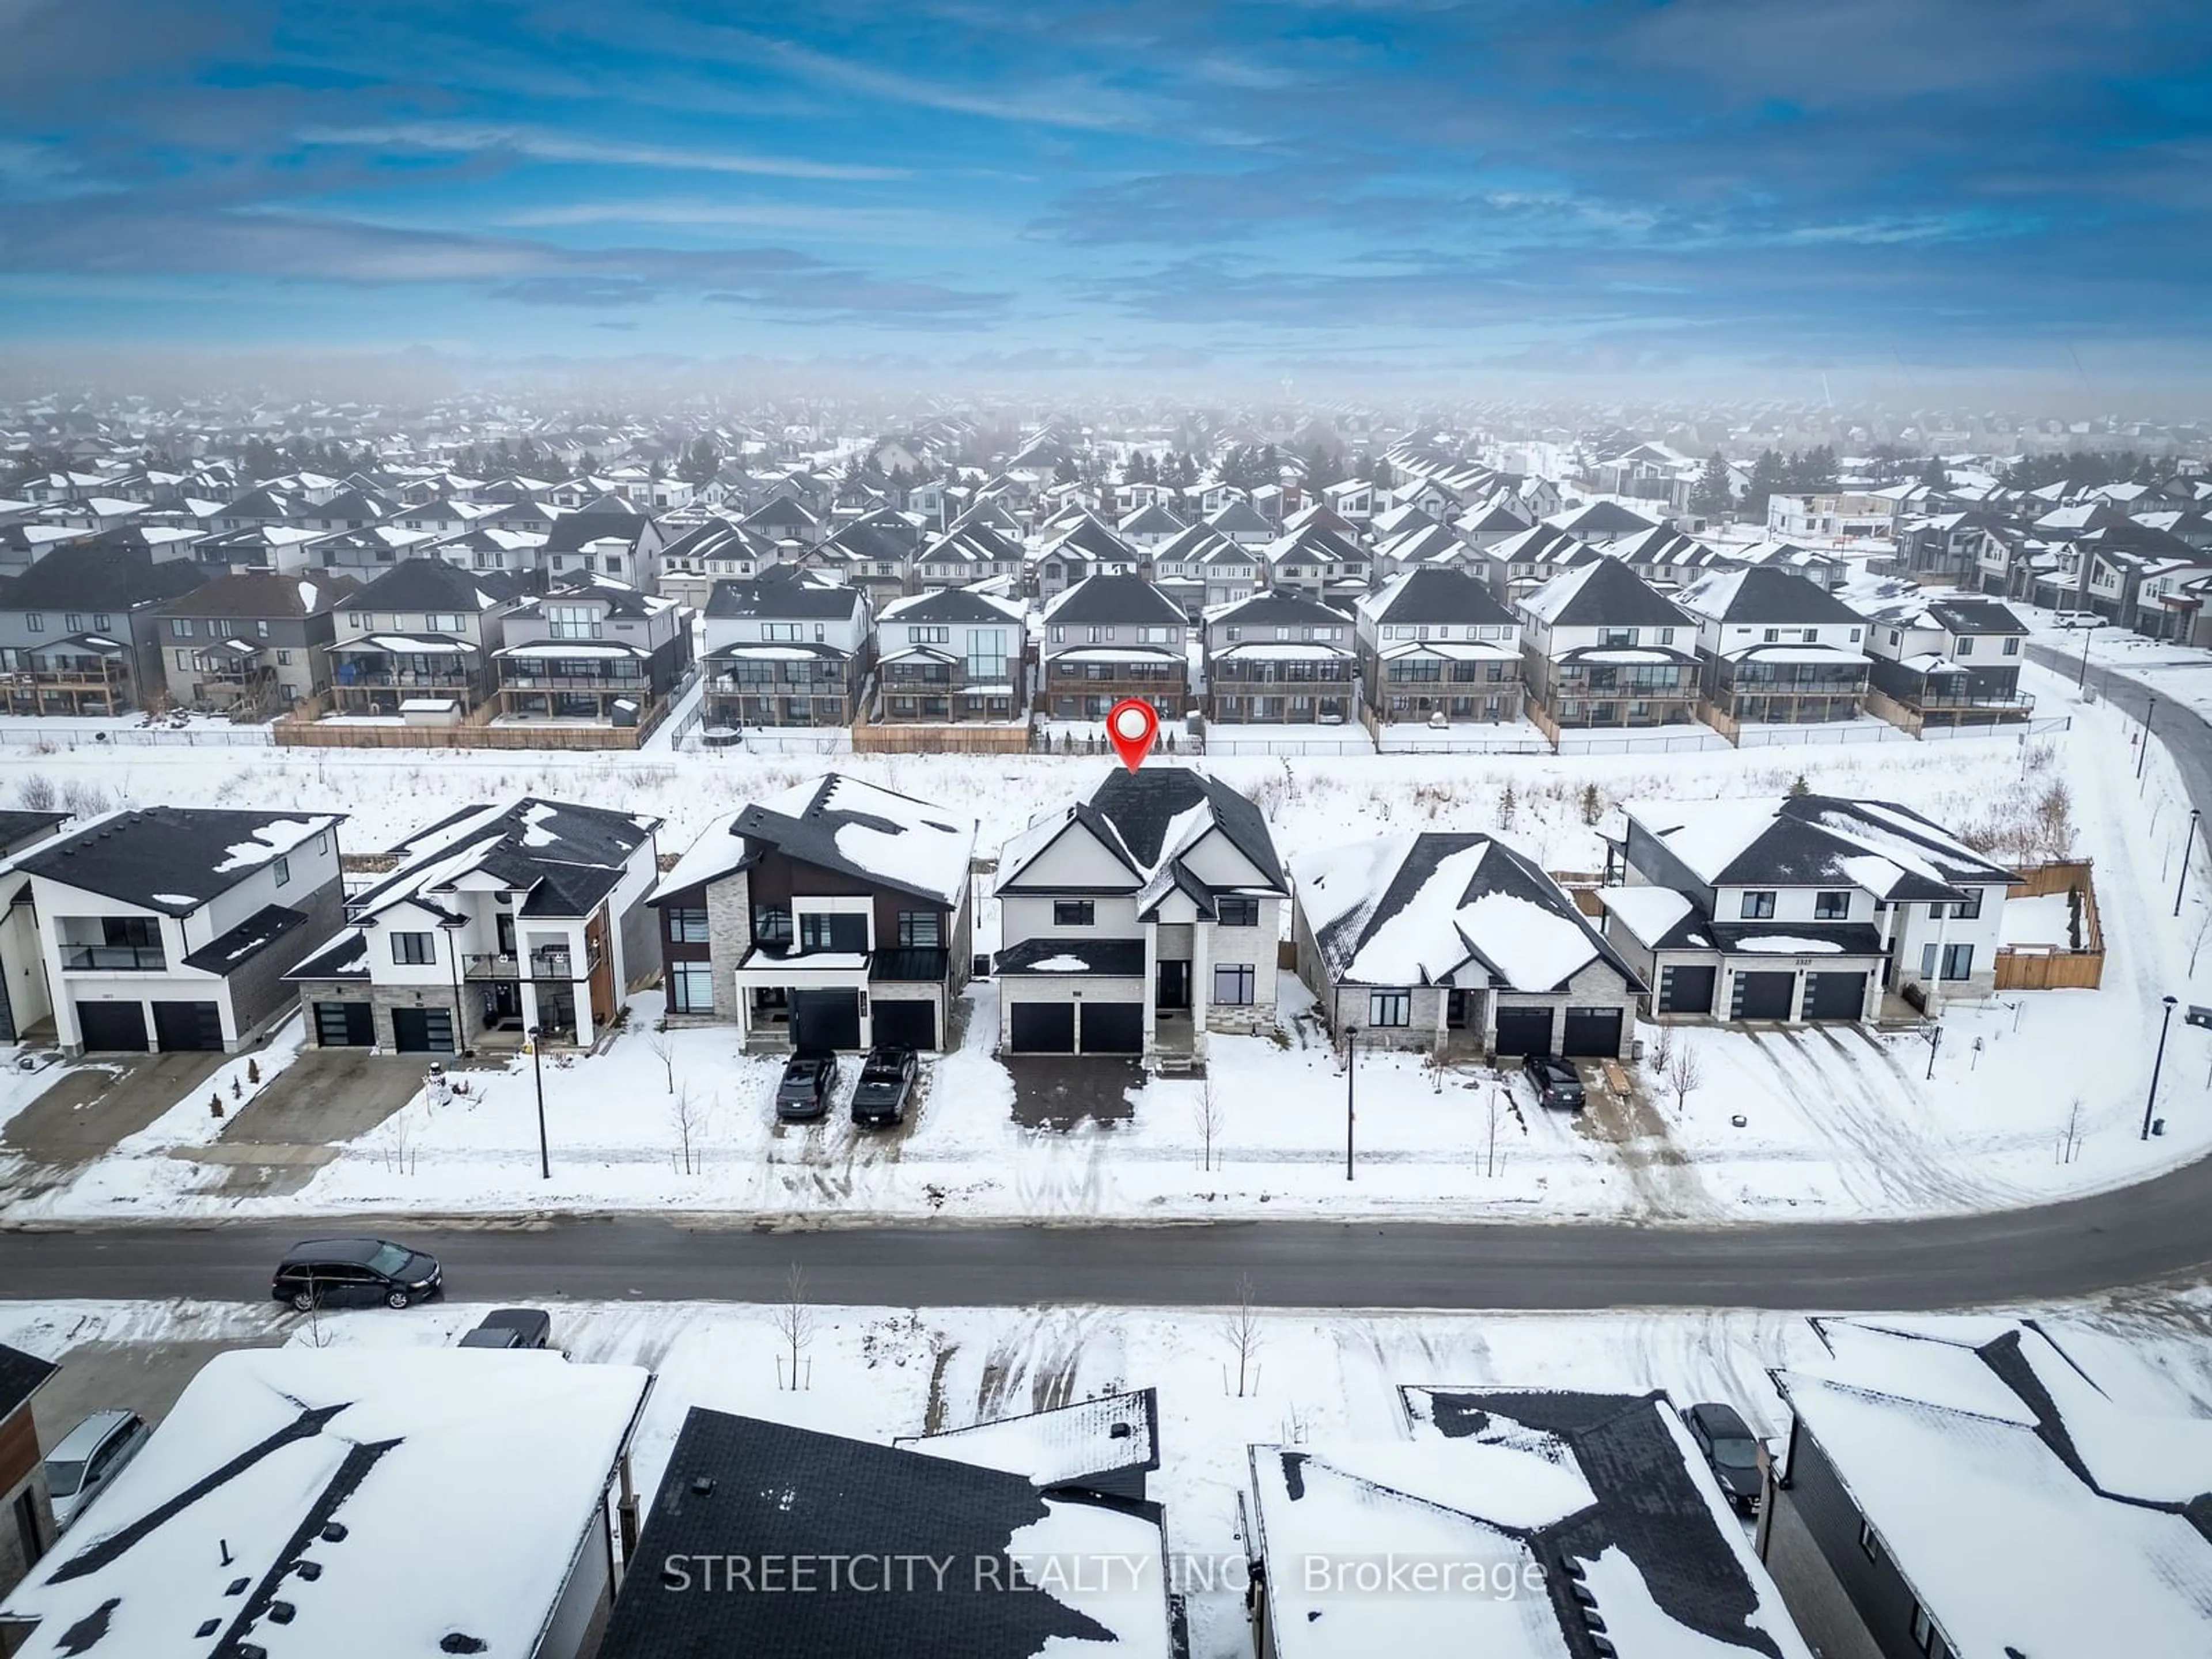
(2180, 727)
(2157, 1233)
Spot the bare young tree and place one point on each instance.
(794, 1323)
(666, 1050)
(1491, 1109)
(1243, 1330)
(1684, 1074)
(1207, 1114)
(1663, 1051)
(687, 1117)
(2070, 1137)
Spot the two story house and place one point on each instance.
(1135, 920)
(419, 641)
(1434, 641)
(1111, 637)
(596, 650)
(833, 915)
(714, 552)
(952, 655)
(1773, 646)
(1807, 908)
(784, 650)
(1457, 943)
(251, 644)
(170, 928)
(1946, 662)
(971, 550)
(494, 922)
(1601, 648)
(1280, 658)
(75, 629)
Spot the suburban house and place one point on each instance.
(1457, 943)
(1111, 637)
(26, 1000)
(1435, 642)
(833, 915)
(493, 922)
(1947, 662)
(608, 536)
(254, 645)
(418, 642)
(343, 1501)
(952, 655)
(173, 927)
(29, 1525)
(1600, 646)
(1837, 515)
(1280, 658)
(1086, 548)
(1136, 920)
(596, 650)
(784, 650)
(1775, 648)
(971, 550)
(2078, 1468)
(1315, 560)
(1577, 1524)
(74, 638)
(717, 551)
(1807, 908)
(741, 1489)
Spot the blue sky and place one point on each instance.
(1901, 190)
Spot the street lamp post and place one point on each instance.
(537, 1066)
(1351, 1070)
(453, 931)
(2082, 679)
(2143, 753)
(2188, 850)
(2150, 1101)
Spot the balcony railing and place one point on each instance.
(1963, 700)
(538, 964)
(445, 678)
(114, 958)
(511, 681)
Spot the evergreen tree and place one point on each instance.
(1323, 468)
(1934, 476)
(1713, 495)
(1767, 478)
(1380, 473)
(700, 462)
(1065, 472)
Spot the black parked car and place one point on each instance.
(512, 1327)
(355, 1272)
(1558, 1085)
(808, 1081)
(886, 1083)
(1730, 1447)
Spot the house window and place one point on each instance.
(181, 628)
(99, 621)
(413, 949)
(832, 930)
(282, 866)
(1666, 637)
(1615, 636)
(1389, 1007)
(686, 926)
(35, 623)
(1758, 907)
(1232, 984)
(1958, 961)
(690, 987)
(1059, 636)
(1854, 637)
(1237, 912)
(932, 635)
(1893, 637)
(1869, 1546)
(2012, 647)
(575, 621)
(1968, 908)
(261, 630)
(1773, 634)
(360, 619)
(284, 659)
(1926, 1636)
(444, 622)
(1101, 636)
(1832, 907)
(1965, 648)
(1074, 913)
(920, 930)
(771, 925)
(73, 621)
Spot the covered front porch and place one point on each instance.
(373, 674)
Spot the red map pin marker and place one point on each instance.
(1132, 727)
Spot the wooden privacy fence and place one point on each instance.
(2057, 968)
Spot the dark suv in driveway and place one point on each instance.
(807, 1082)
(885, 1085)
(1729, 1446)
(1559, 1086)
(355, 1272)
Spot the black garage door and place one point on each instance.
(1592, 1034)
(1524, 1031)
(906, 1024)
(182, 1026)
(1835, 996)
(113, 1025)
(1044, 1028)
(1113, 1028)
(825, 1020)
(1686, 990)
(345, 1025)
(1762, 996)
(423, 1031)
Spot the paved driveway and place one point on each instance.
(1058, 1092)
(288, 1131)
(93, 1104)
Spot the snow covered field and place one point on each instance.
(1834, 1122)
(875, 1373)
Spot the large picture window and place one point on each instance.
(690, 989)
(1233, 984)
(1389, 1007)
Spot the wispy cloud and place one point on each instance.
(873, 224)
(454, 138)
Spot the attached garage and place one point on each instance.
(1684, 990)
(113, 1027)
(345, 1025)
(1113, 1028)
(1762, 996)
(1835, 996)
(1592, 1034)
(183, 1027)
(906, 1024)
(1524, 1031)
(823, 1021)
(1043, 1027)
(423, 1031)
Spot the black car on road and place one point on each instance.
(808, 1081)
(886, 1085)
(1558, 1085)
(355, 1272)
(1730, 1447)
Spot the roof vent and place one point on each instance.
(252, 1650)
(701, 1486)
(1603, 1646)
(281, 1612)
(461, 1642)
(1576, 1570)
(208, 1627)
(1120, 1431)
(310, 1571)
(236, 1587)
(1584, 1597)
(334, 1532)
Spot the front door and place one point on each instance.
(1172, 990)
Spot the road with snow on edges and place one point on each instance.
(2158, 1232)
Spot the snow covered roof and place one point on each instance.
(2027, 1506)
(839, 823)
(1153, 821)
(1603, 593)
(388, 1499)
(1815, 840)
(173, 859)
(1072, 1444)
(562, 859)
(1461, 909)
(1653, 915)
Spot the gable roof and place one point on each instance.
(172, 859)
(1604, 519)
(1812, 841)
(782, 593)
(22, 1376)
(429, 584)
(1075, 1444)
(1147, 820)
(560, 859)
(1952, 615)
(1238, 518)
(1605, 592)
(1435, 593)
(1276, 608)
(1764, 593)
(1151, 520)
(1106, 598)
(251, 594)
(952, 605)
(100, 579)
